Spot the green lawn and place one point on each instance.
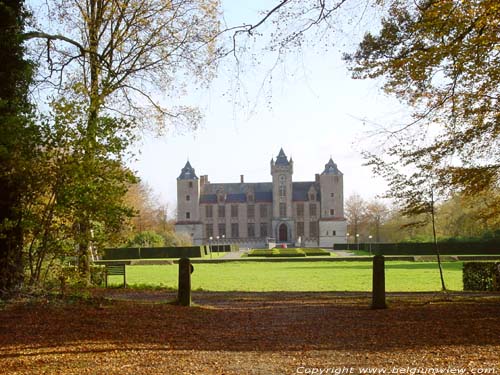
(300, 276)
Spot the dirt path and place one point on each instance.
(250, 333)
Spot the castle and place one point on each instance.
(308, 213)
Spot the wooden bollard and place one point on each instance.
(378, 283)
(184, 288)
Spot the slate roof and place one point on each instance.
(237, 192)
(237, 188)
(187, 173)
(300, 190)
(281, 159)
(331, 168)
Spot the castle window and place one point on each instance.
(332, 195)
(250, 198)
(334, 233)
(300, 228)
(312, 209)
(250, 211)
(313, 229)
(312, 197)
(300, 209)
(209, 230)
(235, 230)
(234, 210)
(332, 212)
(190, 184)
(222, 229)
(188, 197)
(263, 210)
(282, 191)
(188, 215)
(283, 209)
(263, 229)
(208, 211)
(220, 198)
(221, 211)
(251, 230)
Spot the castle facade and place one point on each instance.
(305, 213)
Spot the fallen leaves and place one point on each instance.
(246, 333)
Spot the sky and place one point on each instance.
(311, 108)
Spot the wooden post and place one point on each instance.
(378, 286)
(184, 288)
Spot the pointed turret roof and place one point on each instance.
(187, 173)
(281, 159)
(331, 168)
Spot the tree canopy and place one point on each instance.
(441, 57)
(17, 136)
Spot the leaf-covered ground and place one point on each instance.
(251, 333)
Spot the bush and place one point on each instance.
(276, 253)
(315, 252)
(146, 239)
(481, 276)
(69, 275)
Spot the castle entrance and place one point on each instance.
(283, 233)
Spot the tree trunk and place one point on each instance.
(84, 223)
(436, 248)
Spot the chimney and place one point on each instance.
(242, 178)
(204, 180)
(317, 177)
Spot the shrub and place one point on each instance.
(146, 239)
(315, 252)
(276, 252)
(481, 276)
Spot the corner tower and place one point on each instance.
(282, 222)
(332, 224)
(188, 204)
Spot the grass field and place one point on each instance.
(300, 276)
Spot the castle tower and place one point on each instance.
(332, 224)
(332, 191)
(282, 222)
(188, 207)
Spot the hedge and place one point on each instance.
(481, 276)
(491, 247)
(277, 253)
(155, 252)
(315, 252)
(223, 248)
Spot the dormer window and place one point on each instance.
(250, 198)
(190, 184)
(312, 196)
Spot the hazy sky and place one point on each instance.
(312, 108)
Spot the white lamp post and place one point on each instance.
(357, 240)
(370, 237)
(210, 245)
(347, 239)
